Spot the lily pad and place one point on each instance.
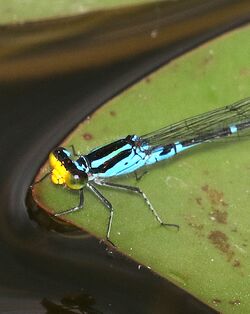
(204, 190)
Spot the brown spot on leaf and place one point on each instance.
(236, 263)
(219, 216)
(87, 136)
(234, 302)
(112, 113)
(199, 201)
(220, 241)
(215, 197)
(216, 301)
(198, 228)
(148, 79)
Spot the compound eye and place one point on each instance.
(61, 153)
(76, 180)
(58, 156)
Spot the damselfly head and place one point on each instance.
(64, 170)
(59, 160)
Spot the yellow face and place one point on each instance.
(59, 172)
(64, 170)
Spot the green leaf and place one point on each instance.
(204, 190)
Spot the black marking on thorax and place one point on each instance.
(108, 164)
(104, 151)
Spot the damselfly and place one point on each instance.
(133, 152)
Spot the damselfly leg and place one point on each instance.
(108, 205)
(41, 179)
(74, 151)
(138, 176)
(137, 190)
(74, 209)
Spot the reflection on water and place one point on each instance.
(81, 303)
(49, 222)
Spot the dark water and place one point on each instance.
(49, 272)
